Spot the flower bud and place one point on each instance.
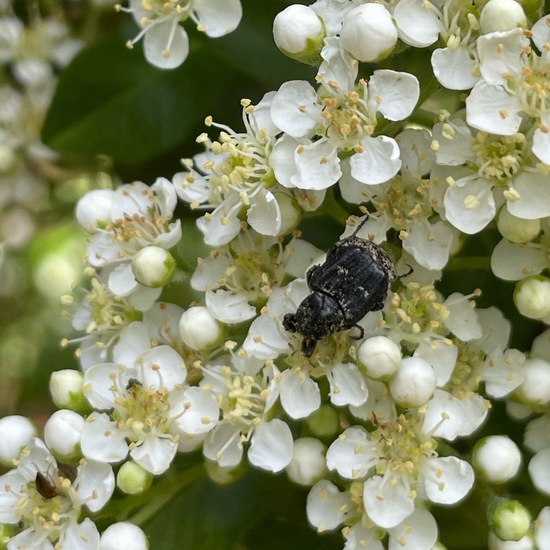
(94, 209)
(535, 389)
(497, 459)
(324, 422)
(153, 266)
(132, 479)
(198, 328)
(299, 33)
(62, 434)
(15, 433)
(414, 383)
(517, 230)
(501, 15)
(510, 520)
(368, 32)
(308, 463)
(379, 357)
(123, 535)
(532, 297)
(66, 390)
(225, 475)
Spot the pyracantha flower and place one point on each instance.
(48, 499)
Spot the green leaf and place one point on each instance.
(110, 101)
(205, 516)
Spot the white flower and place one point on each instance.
(489, 163)
(151, 407)
(339, 117)
(389, 495)
(245, 393)
(235, 172)
(238, 277)
(139, 216)
(513, 78)
(48, 501)
(166, 43)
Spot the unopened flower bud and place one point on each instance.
(15, 433)
(414, 382)
(324, 422)
(299, 33)
(497, 458)
(66, 390)
(368, 32)
(535, 389)
(198, 328)
(510, 520)
(517, 230)
(308, 463)
(123, 535)
(223, 475)
(153, 266)
(379, 357)
(132, 479)
(63, 432)
(501, 15)
(532, 297)
(94, 208)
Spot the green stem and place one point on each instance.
(148, 503)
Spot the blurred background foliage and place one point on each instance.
(114, 119)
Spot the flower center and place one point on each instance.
(49, 505)
(245, 400)
(499, 157)
(533, 88)
(402, 445)
(346, 118)
(417, 310)
(404, 204)
(142, 411)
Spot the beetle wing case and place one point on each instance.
(356, 275)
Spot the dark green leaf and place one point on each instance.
(110, 101)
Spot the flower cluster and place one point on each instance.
(32, 50)
(229, 370)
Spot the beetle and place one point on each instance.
(353, 280)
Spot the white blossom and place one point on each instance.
(165, 41)
(49, 501)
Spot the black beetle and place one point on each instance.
(354, 280)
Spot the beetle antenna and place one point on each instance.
(361, 224)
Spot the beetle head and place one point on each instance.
(316, 317)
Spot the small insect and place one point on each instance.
(45, 486)
(354, 280)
